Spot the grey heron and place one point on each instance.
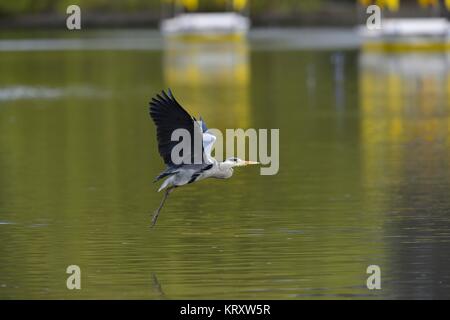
(168, 116)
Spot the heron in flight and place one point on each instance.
(168, 116)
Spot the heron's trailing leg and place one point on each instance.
(156, 214)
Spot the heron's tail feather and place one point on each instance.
(165, 184)
(168, 172)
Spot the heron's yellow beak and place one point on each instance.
(246, 163)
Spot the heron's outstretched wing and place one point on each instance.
(168, 115)
(208, 141)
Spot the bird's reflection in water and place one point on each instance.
(211, 76)
(157, 288)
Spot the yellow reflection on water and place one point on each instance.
(204, 69)
(407, 91)
(405, 109)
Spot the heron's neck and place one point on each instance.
(225, 167)
(224, 170)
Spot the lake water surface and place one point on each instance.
(364, 173)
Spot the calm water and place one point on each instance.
(364, 168)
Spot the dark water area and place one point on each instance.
(363, 180)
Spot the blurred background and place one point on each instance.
(364, 121)
(126, 13)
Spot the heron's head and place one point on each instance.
(236, 162)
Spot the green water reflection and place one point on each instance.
(364, 175)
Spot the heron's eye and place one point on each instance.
(234, 159)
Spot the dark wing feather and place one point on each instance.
(168, 115)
